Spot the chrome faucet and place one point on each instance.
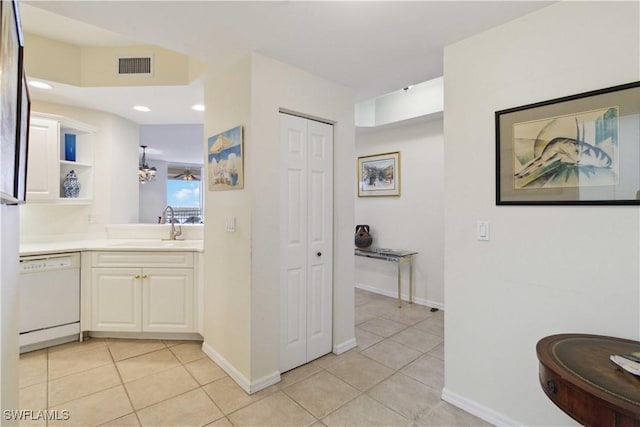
(173, 233)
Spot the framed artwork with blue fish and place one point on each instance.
(225, 160)
(577, 150)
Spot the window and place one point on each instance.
(185, 196)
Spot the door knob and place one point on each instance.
(319, 254)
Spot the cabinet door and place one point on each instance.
(116, 299)
(167, 300)
(43, 181)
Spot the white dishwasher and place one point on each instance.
(49, 300)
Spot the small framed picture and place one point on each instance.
(226, 160)
(379, 175)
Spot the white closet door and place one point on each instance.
(320, 245)
(293, 242)
(306, 209)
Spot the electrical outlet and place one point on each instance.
(92, 219)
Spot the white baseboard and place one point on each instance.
(183, 336)
(241, 380)
(404, 297)
(264, 382)
(227, 367)
(480, 411)
(345, 346)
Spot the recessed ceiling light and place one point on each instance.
(142, 108)
(40, 85)
(198, 107)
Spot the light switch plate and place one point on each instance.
(230, 226)
(483, 231)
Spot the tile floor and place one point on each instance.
(393, 378)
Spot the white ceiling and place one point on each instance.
(373, 47)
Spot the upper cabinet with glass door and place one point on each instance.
(60, 160)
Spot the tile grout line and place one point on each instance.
(72, 373)
(182, 364)
(360, 393)
(135, 412)
(200, 386)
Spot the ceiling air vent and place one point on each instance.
(137, 65)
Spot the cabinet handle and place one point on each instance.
(144, 276)
(137, 276)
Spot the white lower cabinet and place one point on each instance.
(116, 299)
(142, 299)
(167, 300)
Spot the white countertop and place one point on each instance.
(42, 248)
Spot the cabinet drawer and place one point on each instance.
(142, 259)
(553, 386)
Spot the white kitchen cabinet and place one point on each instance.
(47, 166)
(157, 295)
(116, 299)
(167, 300)
(42, 168)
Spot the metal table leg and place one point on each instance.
(399, 287)
(411, 279)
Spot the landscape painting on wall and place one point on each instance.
(576, 150)
(379, 175)
(225, 160)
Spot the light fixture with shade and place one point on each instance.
(187, 175)
(184, 172)
(145, 173)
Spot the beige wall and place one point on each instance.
(99, 66)
(242, 268)
(227, 272)
(52, 60)
(546, 269)
(92, 66)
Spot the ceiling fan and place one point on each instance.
(187, 176)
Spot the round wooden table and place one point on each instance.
(578, 376)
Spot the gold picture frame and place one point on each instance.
(379, 175)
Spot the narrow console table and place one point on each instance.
(577, 375)
(399, 257)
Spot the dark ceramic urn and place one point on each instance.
(363, 239)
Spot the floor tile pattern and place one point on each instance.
(393, 378)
